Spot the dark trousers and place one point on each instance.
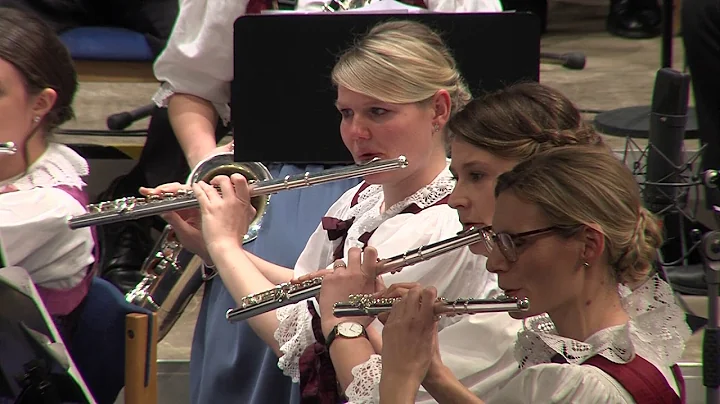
(152, 18)
(701, 36)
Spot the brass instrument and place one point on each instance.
(131, 208)
(172, 275)
(289, 293)
(8, 148)
(367, 305)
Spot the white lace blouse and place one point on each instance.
(656, 331)
(198, 58)
(33, 220)
(456, 274)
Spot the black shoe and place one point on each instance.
(635, 19)
(125, 246)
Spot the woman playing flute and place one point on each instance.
(571, 235)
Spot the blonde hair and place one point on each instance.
(584, 185)
(520, 120)
(401, 62)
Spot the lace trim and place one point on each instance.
(59, 165)
(365, 386)
(657, 331)
(294, 334)
(162, 96)
(367, 214)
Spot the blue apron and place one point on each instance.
(229, 363)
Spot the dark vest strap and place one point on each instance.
(318, 382)
(645, 383)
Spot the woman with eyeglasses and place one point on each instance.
(570, 234)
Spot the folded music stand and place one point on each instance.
(282, 97)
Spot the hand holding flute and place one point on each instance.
(359, 275)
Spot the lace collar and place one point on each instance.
(367, 211)
(657, 331)
(58, 165)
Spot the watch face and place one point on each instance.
(350, 330)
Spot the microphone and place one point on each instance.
(570, 60)
(668, 116)
(711, 178)
(122, 120)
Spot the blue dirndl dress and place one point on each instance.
(229, 363)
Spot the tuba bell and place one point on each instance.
(172, 275)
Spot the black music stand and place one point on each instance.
(282, 97)
(635, 121)
(35, 367)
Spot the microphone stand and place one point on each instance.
(710, 251)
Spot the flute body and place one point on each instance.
(366, 305)
(290, 293)
(8, 148)
(132, 208)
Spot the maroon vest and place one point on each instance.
(645, 383)
(318, 382)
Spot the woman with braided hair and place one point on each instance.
(571, 235)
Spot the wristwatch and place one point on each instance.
(347, 329)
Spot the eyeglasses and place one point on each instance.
(506, 242)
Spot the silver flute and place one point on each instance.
(367, 305)
(135, 208)
(8, 148)
(289, 293)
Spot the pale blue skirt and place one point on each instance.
(229, 363)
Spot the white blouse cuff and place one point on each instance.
(294, 335)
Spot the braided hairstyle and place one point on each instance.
(521, 120)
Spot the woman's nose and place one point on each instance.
(358, 129)
(496, 261)
(457, 198)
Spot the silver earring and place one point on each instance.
(36, 119)
(586, 265)
(436, 128)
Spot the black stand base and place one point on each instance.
(635, 122)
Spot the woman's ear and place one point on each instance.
(442, 104)
(44, 102)
(593, 244)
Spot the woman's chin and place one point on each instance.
(381, 178)
(520, 315)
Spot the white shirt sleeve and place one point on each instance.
(198, 58)
(562, 383)
(35, 236)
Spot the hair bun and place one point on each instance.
(585, 135)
